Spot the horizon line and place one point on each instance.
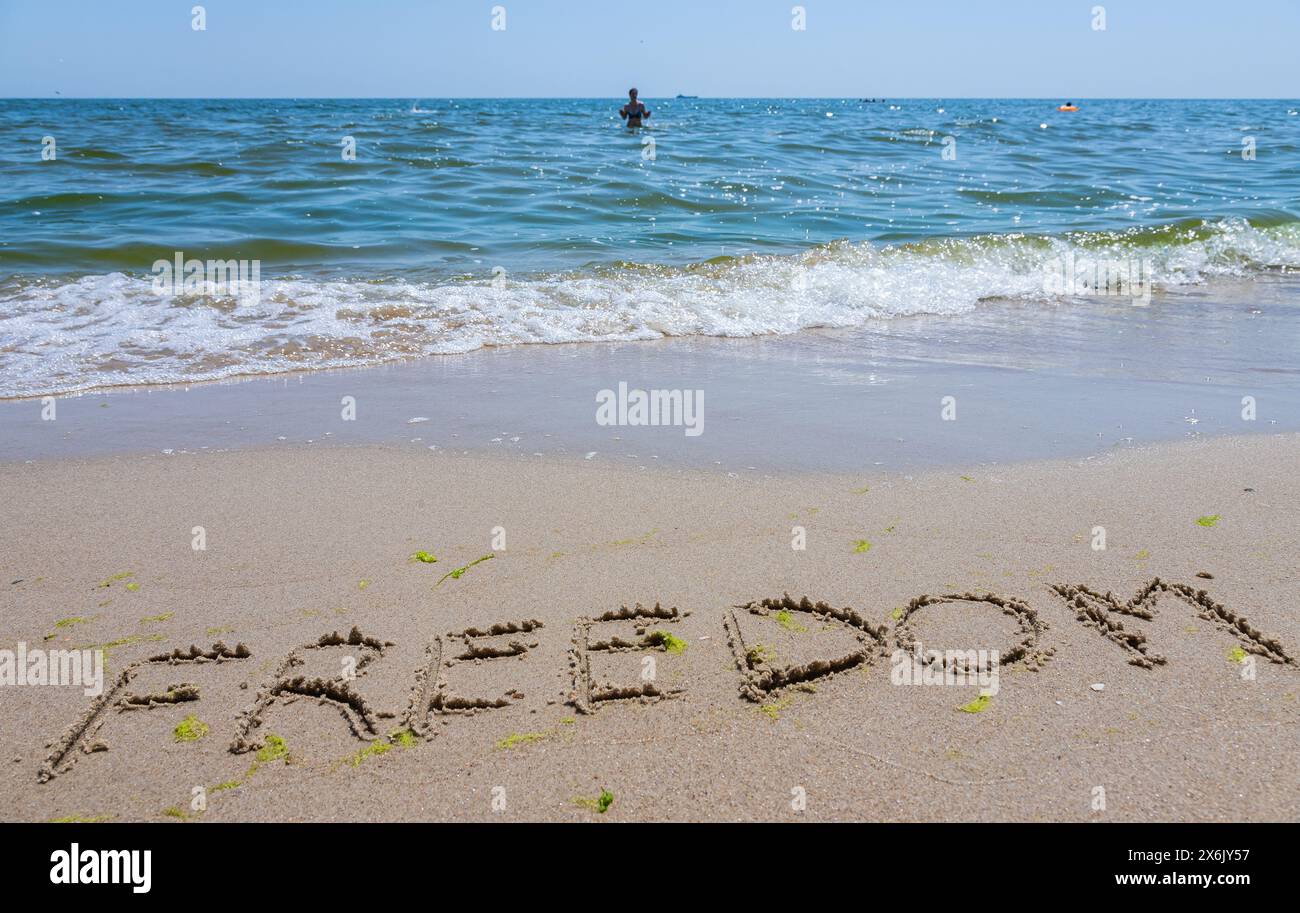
(678, 97)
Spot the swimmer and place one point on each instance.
(1068, 106)
(634, 110)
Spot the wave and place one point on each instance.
(64, 335)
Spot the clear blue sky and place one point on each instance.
(851, 48)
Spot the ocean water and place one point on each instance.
(464, 224)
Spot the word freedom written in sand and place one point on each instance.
(434, 694)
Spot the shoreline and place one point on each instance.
(1069, 381)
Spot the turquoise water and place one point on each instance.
(471, 223)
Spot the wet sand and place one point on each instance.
(1027, 382)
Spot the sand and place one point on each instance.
(1197, 721)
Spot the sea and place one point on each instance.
(373, 231)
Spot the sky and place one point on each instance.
(598, 48)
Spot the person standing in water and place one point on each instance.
(634, 111)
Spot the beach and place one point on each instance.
(419, 417)
(792, 466)
(303, 541)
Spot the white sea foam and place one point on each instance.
(104, 330)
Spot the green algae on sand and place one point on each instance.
(669, 642)
(600, 804)
(109, 581)
(190, 729)
(516, 739)
(772, 709)
(456, 574)
(65, 623)
(383, 746)
(273, 749)
(786, 620)
(81, 819)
